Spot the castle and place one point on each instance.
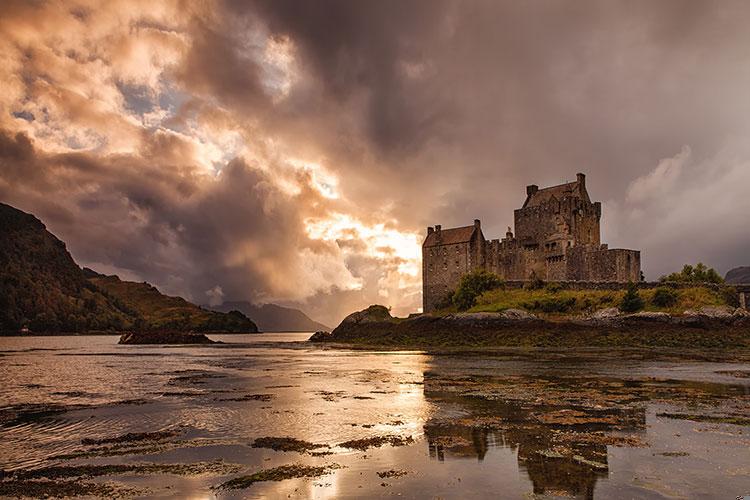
(557, 239)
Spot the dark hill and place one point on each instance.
(274, 318)
(42, 288)
(163, 312)
(738, 275)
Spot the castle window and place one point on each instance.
(429, 268)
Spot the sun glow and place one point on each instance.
(381, 241)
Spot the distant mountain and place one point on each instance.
(274, 318)
(738, 275)
(43, 289)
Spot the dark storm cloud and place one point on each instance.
(503, 94)
(166, 223)
(423, 112)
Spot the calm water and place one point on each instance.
(506, 426)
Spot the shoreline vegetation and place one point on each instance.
(485, 314)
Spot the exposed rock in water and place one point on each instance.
(376, 442)
(286, 444)
(279, 474)
(320, 336)
(134, 338)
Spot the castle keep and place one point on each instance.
(557, 238)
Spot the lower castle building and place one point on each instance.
(557, 238)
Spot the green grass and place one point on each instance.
(552, 303)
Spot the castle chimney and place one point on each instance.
(477, 223)
(531, 189)
(581, 178)
(429, 230)
(437, 228)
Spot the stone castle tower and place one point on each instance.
(557, 239)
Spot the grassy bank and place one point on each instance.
(550, 301)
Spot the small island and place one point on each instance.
(487, 312)
(553, 284)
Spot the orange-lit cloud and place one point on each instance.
(278, 151)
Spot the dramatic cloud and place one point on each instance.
(294, 151)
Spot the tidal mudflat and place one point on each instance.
(273, 416)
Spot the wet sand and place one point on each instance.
(273, 416)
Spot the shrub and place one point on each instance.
(730, 295)
(631, 302)
(472, 286)
(534, 282)
(699, 273)
(664, 297)
(554, 304)
(553, 287)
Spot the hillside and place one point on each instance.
(274, 318)
(43, 289)
(738, 275)
(163, 312)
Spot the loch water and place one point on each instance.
(513, 425)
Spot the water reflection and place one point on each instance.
(557, 425)
(560, 425)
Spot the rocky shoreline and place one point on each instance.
(714, 327)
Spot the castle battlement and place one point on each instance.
(557, 238)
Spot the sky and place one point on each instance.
(295, 151)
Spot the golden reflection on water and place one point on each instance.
(481, 425)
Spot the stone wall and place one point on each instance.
(557, 239)
(615, 285)
(442, 269)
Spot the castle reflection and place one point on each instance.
(562, 448)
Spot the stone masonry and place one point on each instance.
(557, 238)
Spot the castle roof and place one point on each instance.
(575, 189)
(450, 236)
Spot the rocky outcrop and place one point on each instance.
(372, 314)
(706, 327)
(321, 336)
(138, 338)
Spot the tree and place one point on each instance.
(472, 286)
(632, 301)
(700, 273)
(665, 297)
